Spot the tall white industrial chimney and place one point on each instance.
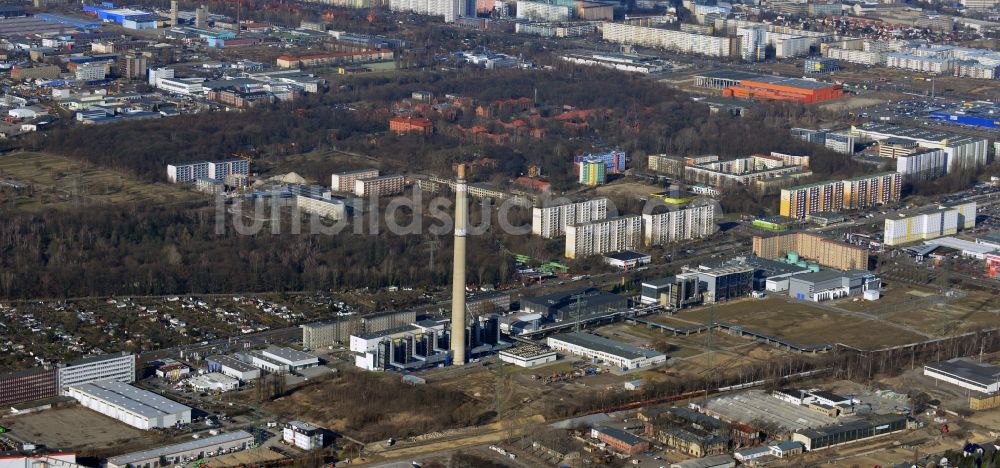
(458, 271)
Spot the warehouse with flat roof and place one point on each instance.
(610, 352)
(966, 373)
(130, 405)
(852, 431)
(186, 451)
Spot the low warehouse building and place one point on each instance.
(278, 359)
(526, 355)
(832, 284)
(966, 373)
(135, 407)
(232, 367)
(610, 352)
(824, 437)
(213, 382)
(180, 453)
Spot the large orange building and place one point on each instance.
(419, 125)
(776, 88)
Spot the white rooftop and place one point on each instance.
(132, 399)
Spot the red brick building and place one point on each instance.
(419, 125)
(620, 440)
(27, 385)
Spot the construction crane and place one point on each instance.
(247, 156)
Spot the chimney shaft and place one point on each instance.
(458, 271)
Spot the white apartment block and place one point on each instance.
(752, 43)
(330, 209)
(841, 142)
(449, 9)
(116, 367)
(906, 227)
(677, 41)
(344, 181)
(980, 4)
(963, 151)
(379, 186)
(855, 56)
(910, 61)
(91, 71)
(691, 222)
(973, 69)
(538, 11)
(185, 173)
(603, 236)
(924, 165)
(219, 170)
(549, 222)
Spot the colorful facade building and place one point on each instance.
(593, 172)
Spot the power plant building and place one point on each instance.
(130, 405)
(603, 236)
(689, 222)
(551, 221)
(832, 284)
(603, 350)
(724, 283)
(674, 292)
(321, 334)
(108, 367)
(573, 304)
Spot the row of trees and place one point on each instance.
(151, 250)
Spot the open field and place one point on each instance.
(247, 457)
(679, 346)
(802, 323)
(927, 310)
(61, 181)
(622, 188)
(61, 429)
